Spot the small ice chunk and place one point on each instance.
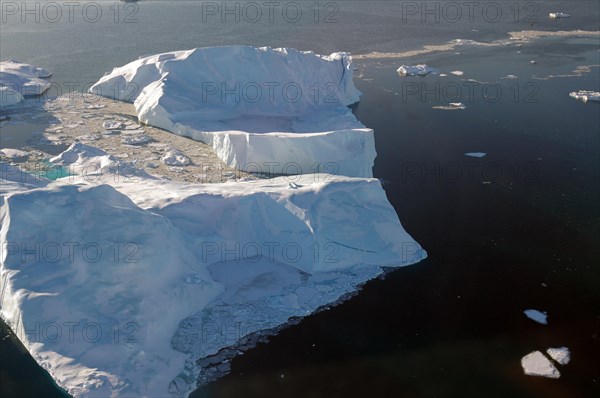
(533, 62)
(512, 77)
(175, 157)
(113, 125)
(475, 154)
(457, 72)
(416, 70)
(14, 154)
(561, 355)
(536, 364)
(136, 139)
(96, 106)
(151, 165)
(585, 95)
(538, 316)
(555, 15)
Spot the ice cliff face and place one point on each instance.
(278, 111)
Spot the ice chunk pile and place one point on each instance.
(112, 283)
(279, 111)
(18, 80)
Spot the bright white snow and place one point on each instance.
(278, 111)
(536, 364)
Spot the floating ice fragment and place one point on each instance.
(96, 106)
(475, 154)
(538, 316)
(536, 364)
(416, 70)
(457, 72)
(175, 157)
(555, 15)
(510, 77)
(561, 355)
(23, 78)
(585, 95)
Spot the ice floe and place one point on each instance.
(537, 364)
(476, 154)
(538, 316)
(281, 110)
(586, 95)
(416, 70)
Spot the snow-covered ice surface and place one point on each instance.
(17, 80)
(538, 316)
(153, 275)
(561, 355)
(416, 70)
(537, 364)
(281, 111)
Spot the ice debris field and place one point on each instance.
(155, 284)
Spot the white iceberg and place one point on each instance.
(111, 283)
(536, 364)
(416, 70)
(277, 111)
(561, 355)
(586, 95)
(538, 316)
(24, 79)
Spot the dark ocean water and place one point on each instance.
(516, 229)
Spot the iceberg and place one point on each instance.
(119, 283)
(276, 111)
(18, 80)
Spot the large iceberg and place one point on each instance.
(276, 111)
(117, 283)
